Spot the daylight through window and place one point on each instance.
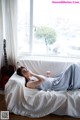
(46, 28)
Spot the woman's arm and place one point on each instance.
(37, 82)
(33, 84)
(40, 77)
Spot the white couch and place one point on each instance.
(33, 103)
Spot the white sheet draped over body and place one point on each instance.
(34, 103)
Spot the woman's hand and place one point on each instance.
(48, 73)
(30, 73)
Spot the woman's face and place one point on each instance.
(25, 73)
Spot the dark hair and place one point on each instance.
(19, 71)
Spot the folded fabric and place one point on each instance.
(33, 103)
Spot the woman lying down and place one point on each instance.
(67, 80)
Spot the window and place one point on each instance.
(23, 26)
(49, 28)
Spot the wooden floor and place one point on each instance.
(18, 117)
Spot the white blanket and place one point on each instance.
(33, 103)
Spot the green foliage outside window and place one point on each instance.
(48, 34)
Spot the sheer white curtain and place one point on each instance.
(1, 32)
(10, 7)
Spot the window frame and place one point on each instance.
(31, 36)
(31, 27)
